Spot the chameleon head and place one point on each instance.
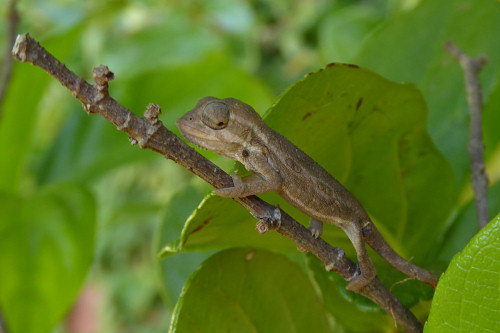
(223, 126)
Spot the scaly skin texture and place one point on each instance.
(233, 129)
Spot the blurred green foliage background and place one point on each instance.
(101, 206)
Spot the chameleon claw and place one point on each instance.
(316, 228)
(276, 218)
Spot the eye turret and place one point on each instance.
(215, 115)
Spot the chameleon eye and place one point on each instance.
(215, 115)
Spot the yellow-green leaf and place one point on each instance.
(467, 298)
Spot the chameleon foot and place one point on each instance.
(316, 227)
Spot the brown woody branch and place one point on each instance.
(150, 133)
(479, 178)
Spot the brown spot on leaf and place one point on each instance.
(403, 142)
(202, 225)
(360, 101)
(331, 64)
(307, 115)
(352, 65)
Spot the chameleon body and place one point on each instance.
(233, 129)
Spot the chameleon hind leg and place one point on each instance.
(367, 269)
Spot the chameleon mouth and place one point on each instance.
(196, 141)
(195, 136)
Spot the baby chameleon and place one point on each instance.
(233, 129)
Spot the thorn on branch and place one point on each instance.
(332, 265)
(133, 141)
(102, 75)
(151, 115)
(152, 112)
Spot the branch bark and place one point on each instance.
(150, 133)
(13, 21)
(479, 178)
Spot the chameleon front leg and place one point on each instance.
(245, 189)
(267, 180)
(354, 232)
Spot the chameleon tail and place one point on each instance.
(373, 237)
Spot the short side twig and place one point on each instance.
(13, 19)
(150, 133)
(479, 178)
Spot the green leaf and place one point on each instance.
(464, 227)
(245, 290)
(218, 224)
(175, 270)
(409, 47)
(341, 30)
(172, 41)
(491, 117)
(85, 149)
(370, 133)
(20, 111)
(354, 312)
(467, 297)
(46, 248)
(17, 123)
